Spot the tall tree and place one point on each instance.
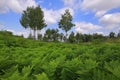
(25, 19)
(98, 37)
(78, 37)
(87, 38)
(61, 36)
(33, 18)
(112, 35)
(39, 22)
(55, 34)
(66, 21)
(51, 35)
(47, 36)
(72, 37)
(40, 37)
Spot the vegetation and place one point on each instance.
(33, 18)
(53, 35)
(83, 57)
(66, 21)
(25, 59)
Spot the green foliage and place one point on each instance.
(72, 38)
(51, 35)
(114, 68)
(78, 38)
(42, 76)
(33, 18)
(24, 59)
(118, 35)
(112, 35)
(66, 21)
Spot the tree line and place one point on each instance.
(33, 18)
(53, 35)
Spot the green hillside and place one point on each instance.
(25, 59)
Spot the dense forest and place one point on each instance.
(55, 55)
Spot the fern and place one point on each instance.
(114, 67)
(42, 76)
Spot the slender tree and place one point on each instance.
(112, 35)
(71, 37)
(78, 37)
(47, 36)
(55, 34)
(51, 35)
(87, 38)
(61, 36)
(40, 37)
(66, 21)
(33, 18)
(25, 19)
(39, 21)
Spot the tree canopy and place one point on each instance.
(33, 18)
(66, 21)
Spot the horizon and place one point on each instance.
(97, 16)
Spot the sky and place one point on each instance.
(89, 16)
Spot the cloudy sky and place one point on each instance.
(89, 16)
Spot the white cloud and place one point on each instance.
(25, 33)
(42, 31)
(100, 7)
(69, 3)
(100, 33)
(74, 4)
(111, 18)
(15, 5)
(111, 21)
(86, 27)
(52, 16)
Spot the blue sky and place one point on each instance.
(89, 16)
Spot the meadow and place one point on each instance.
(25, 59)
